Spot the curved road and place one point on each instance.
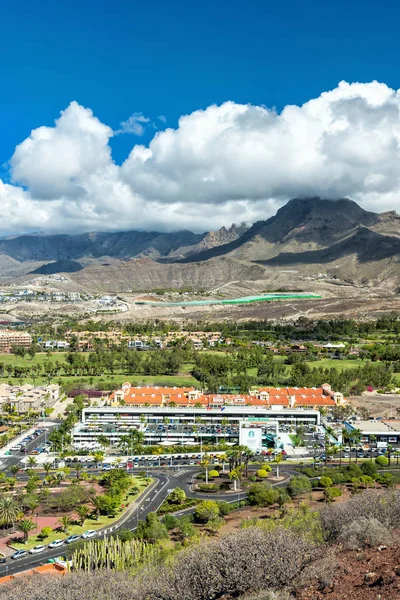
(151, 500)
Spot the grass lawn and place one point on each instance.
(90, 523)
(340, 365)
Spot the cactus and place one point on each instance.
(112, 553)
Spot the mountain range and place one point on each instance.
(307, 235)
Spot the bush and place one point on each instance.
(299, 485)
(260, 494)
(332, 492)
(364, 532)
(385, 479)
(382, 461)
(45, 532)
(170, 522)
(224, 508)
(213, 473)
(207, 510)
(369, 468)
(383, 506)
(325, 482)
(262, 474)
(208, 487)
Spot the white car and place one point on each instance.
(37, 549)
(56, 544)
(89, 534)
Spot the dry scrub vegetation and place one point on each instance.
(253, 563)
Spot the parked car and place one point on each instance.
(71, 539)
(37, 549)
(19, 554)
(89, 534)
(56, 544)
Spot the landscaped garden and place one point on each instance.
(40, 510)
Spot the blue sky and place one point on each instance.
(172, 58)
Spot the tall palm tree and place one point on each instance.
(10, 510)
(205, 463)
(25, 526)
(356, 436)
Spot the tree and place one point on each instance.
(205, 464)
(10, 510)
(299, 485)
(47, 466)
(32, 462)
(178, 496)
(261, 494)
(78, 470)
(151, 530)
(25, 526)
(97, 504)
(207, 510)
(235, 475)
(83, 513)
(65, 523)
(14, 469)
(98, 457)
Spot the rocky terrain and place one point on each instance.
(330, 247)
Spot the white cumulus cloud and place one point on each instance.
(223, 164)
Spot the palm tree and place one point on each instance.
(97, 504)
(356, 436)
(389, 453)
(65, 523)
(223, 458)
(32, 462)
(205, 464)
(98, 457)
(10, 510)
(247, 456)
(47, 466)
(83, 513)
(235, 475)
(25, 526)
(340, 450)
(78, 469)
(103, 441)
(14, 470)
(278, 460)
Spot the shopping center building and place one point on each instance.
(186, 416)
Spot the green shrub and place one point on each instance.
(299, 485)
(170, 522)
(382, 461)
(325, 482)
(208, 487)
(213, 474)
(262, 474)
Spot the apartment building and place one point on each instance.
(28, 398)
(10, 338)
